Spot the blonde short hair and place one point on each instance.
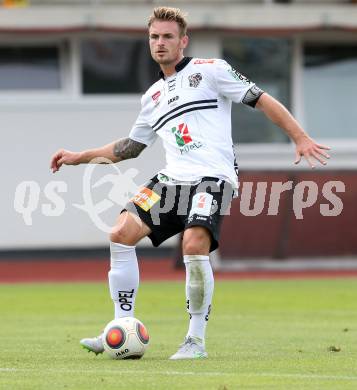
(170, 14)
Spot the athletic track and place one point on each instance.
(95, 270)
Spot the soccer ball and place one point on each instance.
(125, 338)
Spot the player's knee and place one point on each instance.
(122, 235)
(118, 236)
(196, 242)
(192, 247)
(128, 230)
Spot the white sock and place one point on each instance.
(199, 292)
(123, 279)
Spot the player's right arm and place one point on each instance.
(141, 135)
(120, 150)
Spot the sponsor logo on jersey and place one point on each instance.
(182, 134)
(146, 198)
(184, 139)
(238, 76)
(195, 80)
(156, 96)
(191, 146)
(203, 61)
(173, 99)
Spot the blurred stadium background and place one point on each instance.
(71, 76)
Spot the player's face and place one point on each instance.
(166, 44)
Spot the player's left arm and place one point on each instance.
(305, 145)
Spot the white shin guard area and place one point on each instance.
(199, 292)
(123, 278)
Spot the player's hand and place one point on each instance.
(66, 157)
(306, 147)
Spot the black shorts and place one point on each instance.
(170, 209)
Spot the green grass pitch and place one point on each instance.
(261, 335)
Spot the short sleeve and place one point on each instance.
(230, 83)
(141, 131)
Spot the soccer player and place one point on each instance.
(189, 107)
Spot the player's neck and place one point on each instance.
(170, 69)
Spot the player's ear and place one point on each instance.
(184, 42)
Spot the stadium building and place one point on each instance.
(72, 73)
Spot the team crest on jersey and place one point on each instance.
(195, 79)
(203, 61)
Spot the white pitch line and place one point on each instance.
(186, 373)
(74, 371)
(306, 376)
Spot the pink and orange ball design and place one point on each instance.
(142, 333)
(115, 337)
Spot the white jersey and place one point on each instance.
(191, 112)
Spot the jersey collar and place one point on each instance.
(178, 67)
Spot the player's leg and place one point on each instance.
(149, 213)
(124, 273)
(199, 278)
(208, 201)
(199, 290)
